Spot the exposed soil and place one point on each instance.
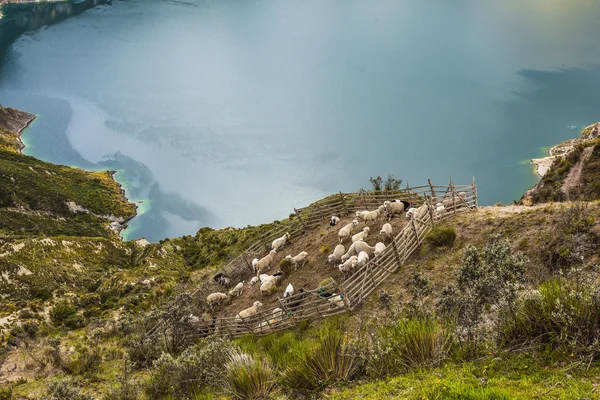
(573, 180)
(310, 275)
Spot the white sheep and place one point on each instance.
(346, 231)
(337, 300)
(371, 216)
(289, 291)
(333, 221)
(356, 248)
(216, 298)
(280, 242)
(237, 290)
(386, 230)
(393, 207)
(379, 248)
(266, 287)
(265, 277)
(361, 260)
(337, 254)
(361, 235)
(277, 315)
(362, 246)
(360, 214)
(347, 265)
(411, 211)
(439, 208)
(298, 260)
(254, 263)
(253, 281)
(249, 312)
(265, 262)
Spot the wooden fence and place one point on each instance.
(319, 303)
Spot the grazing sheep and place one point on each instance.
(253, 281)
(361, 260)
(356, 248)
(347, 265)
(386, 231)
(360, 214)
(346, 231)
(222, 279)
(439, 208)
(333, 221)
(254, 263)
(371, 216)
(361, 235)
(379, 248)
(337, 300)
(237, 290)
(411, 211)
(289, 291)
(299, 259)
(265, 277)
(280, 242)
(337, 254)
(265, 262)
(266, 287)
(393, 207)
(249, 312)
(362, 246)
(216, 298)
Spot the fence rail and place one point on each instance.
(334, 299)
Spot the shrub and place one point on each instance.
(486, 279)
(407, 344)
(325, 248)
(61, 311)
(285, 266)
(561, 314)
(441, 236)
(143, 350)
(572, 242)
(329, 361)
(65, 390)
(196, 368)
(248, 377)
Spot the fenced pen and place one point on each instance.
(319, 302)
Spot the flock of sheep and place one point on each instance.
(356, 256)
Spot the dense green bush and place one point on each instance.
(61, 312)
(330, 360)
(65, 390)
(487, 280)
(249, 377)
(407, 344)
(561, 314)
(441, 236)
(199, 367)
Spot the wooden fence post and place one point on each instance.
(433, 195)
(453, 197)
(246, 260)
(396, 253)
(362, 192)
(430, 208)
(344, 204)
(300, 219)
(287, 311)
(475, 193)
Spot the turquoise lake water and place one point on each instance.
(230, 112)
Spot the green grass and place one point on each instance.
(515, 377)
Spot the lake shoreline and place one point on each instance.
(24, 121)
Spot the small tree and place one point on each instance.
(487, 280)
(388, 185)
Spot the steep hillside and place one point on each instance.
(571, 172)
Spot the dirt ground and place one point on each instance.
(311, 274)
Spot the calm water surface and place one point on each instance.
(233, 112)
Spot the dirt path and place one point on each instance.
(574, 178)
